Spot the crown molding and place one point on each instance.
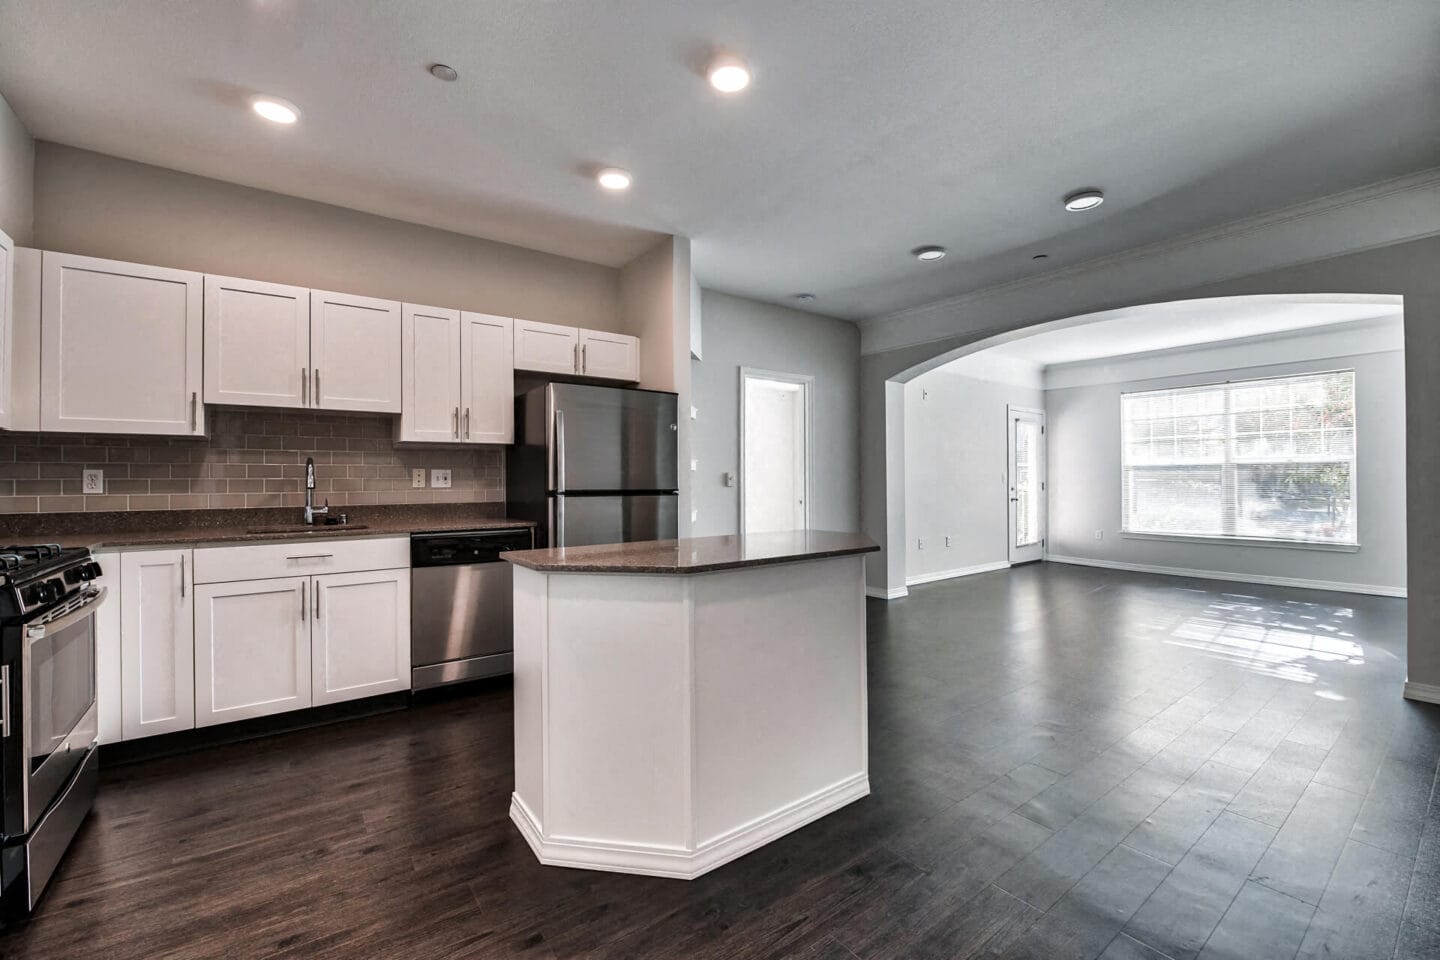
(1380, 214)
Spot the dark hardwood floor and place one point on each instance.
(1065, 763)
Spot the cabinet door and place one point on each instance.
(360, 637)
(613, 356)
(109, 676)
(157, 675)
(546, 347)
(252, 649)
(25, 342)
(257, 343)
(7, 327)
(120, 347)
(487, 375)
(354, 353)
(431, 375)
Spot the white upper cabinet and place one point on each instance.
(120, 348)
(613, 356)
(487, 377)
(431, 375)
(157, 676)
(355, 353)
(7, 328)
(546, 347)
(360, 635)
(257, 343)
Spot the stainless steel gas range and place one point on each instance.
(48, 726)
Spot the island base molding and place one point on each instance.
(679, 864)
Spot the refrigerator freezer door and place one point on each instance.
(613, 439)
(581, 521)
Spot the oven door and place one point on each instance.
(57, 707)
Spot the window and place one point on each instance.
(1254, 459)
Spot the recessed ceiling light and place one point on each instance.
(441, 71)
(613, 178)
(805, 297)
(1082, 200)
(928, 254)
(728, 74)
(275, 110)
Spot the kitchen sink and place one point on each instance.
(289, 529)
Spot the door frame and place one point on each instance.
(1012, 414)
(807, 385)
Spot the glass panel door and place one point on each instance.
(1027, 485)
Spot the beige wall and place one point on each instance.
(17, 176)
(95, 205)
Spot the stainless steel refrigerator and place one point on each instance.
(595, 464)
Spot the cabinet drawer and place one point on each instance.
(299, 558)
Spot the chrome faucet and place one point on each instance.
(312, 511)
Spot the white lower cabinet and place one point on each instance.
(252, 649)
(360, 635)
(156, 642)
(109, 683)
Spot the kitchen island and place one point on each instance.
(679, 703)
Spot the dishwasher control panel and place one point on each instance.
(467, 546)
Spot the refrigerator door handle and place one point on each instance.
(560, 521)
(559, 451)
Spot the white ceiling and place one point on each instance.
(1187, 323)
(872, 126)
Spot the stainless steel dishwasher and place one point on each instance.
(460, 605)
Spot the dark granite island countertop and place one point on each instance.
(696, 555)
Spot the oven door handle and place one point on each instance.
(40, 630)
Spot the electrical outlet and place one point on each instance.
(694, 515)
(694, 413)
(440, 479)
(920, 544)
(694, 465)
(1099, 534)
(728, 479)
(417, 478)
(94, 482)
(948, 543)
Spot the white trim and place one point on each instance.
(1333, 585)
(668, 861)
(957, 572)
(1392, 211)
(882, 593)
(1424, 692)
(807, 390)
(1242, 541)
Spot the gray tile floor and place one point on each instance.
(1066, 763)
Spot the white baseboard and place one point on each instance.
(880, 593)
(1336, 586)
(957, 572)
(677, 862)
(1424, 692)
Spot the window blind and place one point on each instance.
(1266, 459)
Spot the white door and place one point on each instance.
(360, 634)
(546, 347)
(157, 642)
(7, 327)
(1026, 429)
(775, 451)
(431, 375)
(257, 343)
(252, 649)
(120, 347)
(487, 377)
(355, 353)
(613, 356)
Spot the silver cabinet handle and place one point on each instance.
(467, 423)
(315, 394)
(302, 600)
(5, 702)
(455, 423)
(304, 387)
(584, 364)
(182, 576)
(559, 451)
(317, 601)
(194, 402)
(312, 556)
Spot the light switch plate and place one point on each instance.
(440, 479)
(93, 482)
(417, 478)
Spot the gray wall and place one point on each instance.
(96, 205)
(956, 460)
(17, 177)
(1084, 474)
(744, 333)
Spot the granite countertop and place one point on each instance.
(698, 555)
(183, 527)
